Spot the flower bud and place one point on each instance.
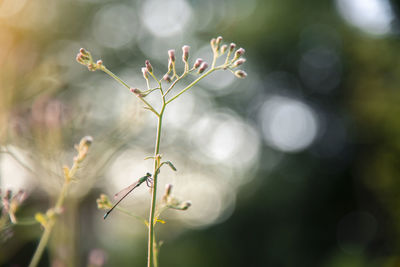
(148, 66)
(83, 148)
(197, 63)
(167, 78)
(185, 53)
(238, 53)
(103, 202)
(145, 74)
(171, 54)
(185, 205)
(86, 141)
(223, 49)
(240, 74)
(84, 58)
(232, 47)
(84, 52)
(203, 67)
(92, 67)
(213, 43)
(238, 62)
(218, 41)
(136, 91)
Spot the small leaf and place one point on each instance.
(161, 221)
(169, 163)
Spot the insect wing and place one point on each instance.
(124, 192)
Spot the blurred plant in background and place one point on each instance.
(310, 139)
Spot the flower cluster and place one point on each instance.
(172, 202)
(10, 203)
(103, 202)
(85, 58)
(83, 148)
(233, 60)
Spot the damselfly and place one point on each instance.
(124, 192)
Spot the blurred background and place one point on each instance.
(297, 165)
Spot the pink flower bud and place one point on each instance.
(239, 62)
(83, 52)
(203, 67)
(185, 205)
(213, 43)
(136, 92)
(185, 53)
(148, 66)
(224, 48)
(232, 47)
(240, 74)
(239, 52)
(219, 40)
(92, 67)
(79, 58)
(167, 78)
(171, 54)
(197, 63)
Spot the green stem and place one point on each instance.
(52, 220)
(193, 83)
(139, 218)
(42, 244)
(150, 258)
(115, 77)
(157, 81)
(49, 228)
(155, 258)
(175, 82)
(150, 107)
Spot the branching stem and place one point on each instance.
(150, 107)
(52, 219)
(151, 245)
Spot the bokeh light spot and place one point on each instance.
(226, 139)
(288, 125)
(166, 18)
(15, 176)
(371, 16)
(115, 26)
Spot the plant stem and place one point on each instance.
(155, 252)
(52, 220)
(150, 258)
(150, 107)
(193, 84)
(49, 227)
(42, 244)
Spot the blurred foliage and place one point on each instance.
(333, 204)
